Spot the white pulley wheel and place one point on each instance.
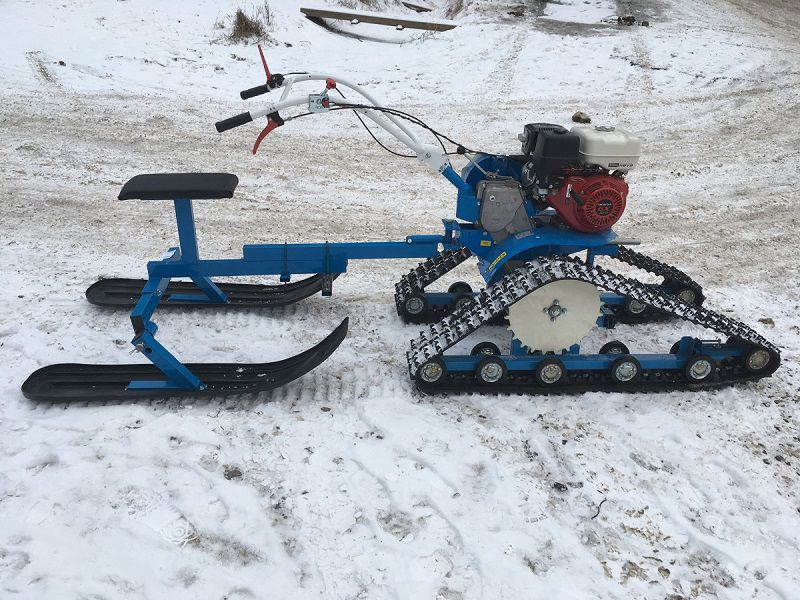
(555, 316)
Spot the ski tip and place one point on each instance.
(338, 334)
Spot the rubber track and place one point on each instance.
(670, 274)
(423, 275)
(498, 297)
(434, 268)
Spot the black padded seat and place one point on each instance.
(169, 186)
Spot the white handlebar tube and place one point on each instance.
(289, 81)
(427, 154)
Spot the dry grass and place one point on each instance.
(247, 26)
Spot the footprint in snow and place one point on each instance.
(12, 562)
(150, 508)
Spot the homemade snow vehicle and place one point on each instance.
(524, 216)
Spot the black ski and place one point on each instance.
(80, 382)
(124, 293)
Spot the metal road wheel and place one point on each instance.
(462, 300)
(550, 371)
(634, 307)
(487, 348)
(432, 371)
(460, 287)
(757, 360)
(688, 295)
(625, 369)
(700, 368)
(415, 305)
(614, 347)
(491, 370)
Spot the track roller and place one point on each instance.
(415, 306)
(460, 287)
(614, 347)
(491, 370)
(700, 367)
(550, 371)
(757, 360)
(487, 348)
(432, 372)
(625, 369)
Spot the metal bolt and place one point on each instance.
(554, 310)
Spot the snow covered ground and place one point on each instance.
(348, 483)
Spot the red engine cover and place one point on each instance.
(590, 204)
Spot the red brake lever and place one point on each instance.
(274, 121)
(264, 62)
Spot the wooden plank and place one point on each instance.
(378, 19)
(415, 6)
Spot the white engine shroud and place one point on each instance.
(611, 148)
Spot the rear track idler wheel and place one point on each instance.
(550, 371)
(614, 347)
(700, 367)
(625, 369)
(691, 294)
(688, 295)
(433, 371)
(634, 307)
(491, 371)
(416, 306)
(487, 348)
(757, 360)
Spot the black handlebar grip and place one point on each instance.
(255, 91)
(226, 124)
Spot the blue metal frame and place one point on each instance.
(284, 260)
(520, 360)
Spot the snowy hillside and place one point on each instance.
(348, 483)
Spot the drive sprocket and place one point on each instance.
(555, 316)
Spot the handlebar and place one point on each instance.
(232, 122)
(274, 81)
(425, 153)
(255, 91)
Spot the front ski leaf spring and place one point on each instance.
(442, 335)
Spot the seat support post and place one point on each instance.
(187, 234)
